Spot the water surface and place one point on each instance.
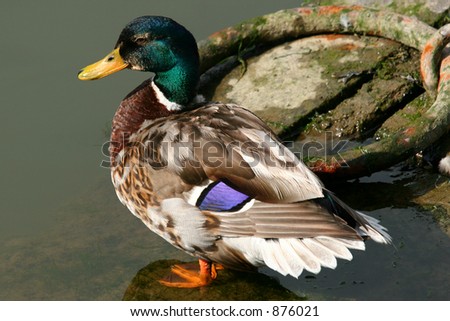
(65, 236)
(53, 124)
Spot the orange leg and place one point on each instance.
(187, 278)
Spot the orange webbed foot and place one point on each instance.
(185, 276)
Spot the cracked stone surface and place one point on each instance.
(291, 81)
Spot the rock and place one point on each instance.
(229, 285)
(437, 200)
(294, 80)
(323, 84)
(394, 80)
(429, 11)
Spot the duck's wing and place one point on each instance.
(286, 237)
(231, 192)
(222, 158)
(223, 142)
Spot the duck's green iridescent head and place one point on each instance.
(156, 44)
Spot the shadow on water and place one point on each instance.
(415, 267)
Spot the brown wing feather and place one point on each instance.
(221, 141)
(297, 220)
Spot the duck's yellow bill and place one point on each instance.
(112, 63)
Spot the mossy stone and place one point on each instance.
(229, 286)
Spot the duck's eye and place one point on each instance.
(140, 39)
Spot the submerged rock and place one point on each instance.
(437, 201)
(229, 285)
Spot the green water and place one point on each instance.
(53, 125)
(65, 236)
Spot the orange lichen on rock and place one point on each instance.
(322, 167)
(224, 34)
(305, 11)
(338, 9)
(426, 56)
(348, 47)
(332, 36)
(444, 78)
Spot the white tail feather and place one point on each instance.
(275, 259)
(375, 231)
(292, 256)
(323, 255)
(309, 259)
(334, 245)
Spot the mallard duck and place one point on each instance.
(211, 178)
